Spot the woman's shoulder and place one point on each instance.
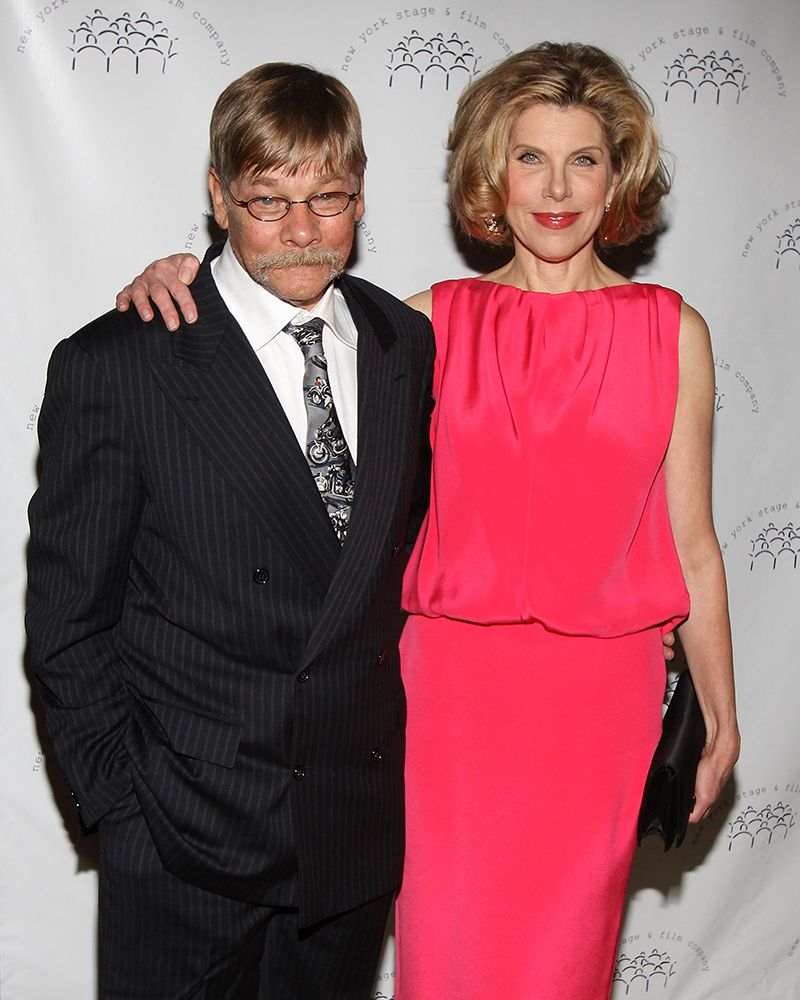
(422, 302)
(441, 291)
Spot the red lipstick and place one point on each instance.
(556, 220)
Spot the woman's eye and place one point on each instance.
(585, 160)
(529, 158)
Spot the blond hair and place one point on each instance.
(562, 75)
(284, 115)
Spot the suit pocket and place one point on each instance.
(191, 734)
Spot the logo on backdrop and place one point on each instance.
(756, 818)
(788, 249)
(645, 973)
(780, 221)
(436, 61)
(710, 77)
(648, 961)
(122, 41)
(366, 238)
(774, 546)
(141, 44)
(709, 65)
(772, 529)
(756, 827)
(430, 49)
(733, 388)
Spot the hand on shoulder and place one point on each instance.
(164, 283)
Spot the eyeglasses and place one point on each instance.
(265, 208)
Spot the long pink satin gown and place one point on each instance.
(539, 587)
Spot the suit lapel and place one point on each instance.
(383, 414)
(219, 388)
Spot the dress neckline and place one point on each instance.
(479, 280)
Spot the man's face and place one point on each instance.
(297, 257)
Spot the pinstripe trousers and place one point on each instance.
(161, 938)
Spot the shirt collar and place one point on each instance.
(262, 315)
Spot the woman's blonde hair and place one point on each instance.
(563, 75)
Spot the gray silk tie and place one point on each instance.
(326, 449)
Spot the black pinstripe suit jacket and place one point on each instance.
(195, 627)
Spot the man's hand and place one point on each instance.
(668, 641)
(164, 283)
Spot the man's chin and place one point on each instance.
(301, 286)
(301, 282)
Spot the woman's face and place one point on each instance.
(559, 181)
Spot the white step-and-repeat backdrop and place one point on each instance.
(104, 156)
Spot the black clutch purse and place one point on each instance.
(669, 790)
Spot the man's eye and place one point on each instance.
(266, 202)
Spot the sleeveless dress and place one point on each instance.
(539, 587)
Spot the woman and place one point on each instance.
(570, 526)
(572, 443)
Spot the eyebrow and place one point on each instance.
(536, 149)
(268, 180)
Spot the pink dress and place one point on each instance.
(539, 587)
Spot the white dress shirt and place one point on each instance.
(262, 316)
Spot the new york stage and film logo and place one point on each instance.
(648, 961)
(137, 43)
(774, 545)
(733, 388)
(772, 534)
(788, 249)
(781, 223)
(771, 824)
(751, 822)
(710, 77)
(436, 60)
(707, 65)
(642, 973)
(436, 49)
(120, 39)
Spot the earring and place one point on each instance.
(492, 225)
(608, 207)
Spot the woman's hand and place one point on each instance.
(164, 283)
(715, 767)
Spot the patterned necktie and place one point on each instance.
(326, 449)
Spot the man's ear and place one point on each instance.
(218, 202)
(359, 202)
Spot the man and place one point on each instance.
(214, 598)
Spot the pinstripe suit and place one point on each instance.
(198, 634)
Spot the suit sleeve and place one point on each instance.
(83, 519)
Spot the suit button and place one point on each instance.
(299, 772)
(397, 550)
(261, 575)
(381, 657)
(72, 794)
(376, 753)
(303, 676)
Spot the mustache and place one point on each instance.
(286, 259)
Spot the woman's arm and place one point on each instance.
(166, 282)
(706, 633)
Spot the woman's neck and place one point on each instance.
(578, 274)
